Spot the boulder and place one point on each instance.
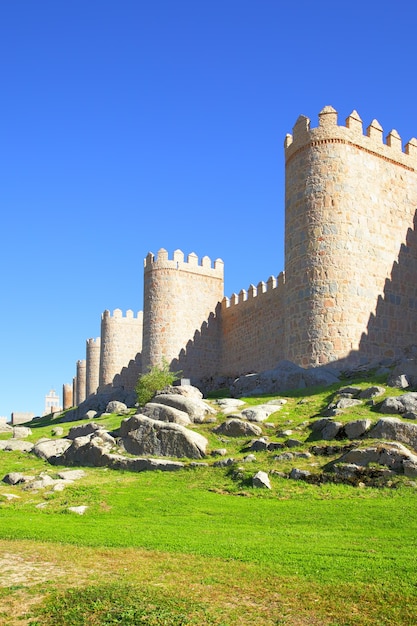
(89, 415)
(261, 480)
(21, 432)
(406, 403)
(13, 478)
(58, 431)
(331, 430)
(188, 391)
(165, 413)
(259, 413)
(404, 374)
(195, 408)
(298, 474)
(51, 448)
(286, 375)
(142, 435)
(394, 429)
(235, 427)
(87, 451)
(81, 431)
(390, 454)
(372, 392)
(12, 445)
(114, 406)
(229, 405)
(357, 428)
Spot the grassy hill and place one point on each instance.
(202, 546)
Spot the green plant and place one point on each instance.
(158, 377)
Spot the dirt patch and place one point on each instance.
(18, 570)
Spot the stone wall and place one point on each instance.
(252, 328)
(81, 382)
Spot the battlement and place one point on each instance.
(192, 264)
(328, 131)
(118, 314)
(91, 343)
(253, 292)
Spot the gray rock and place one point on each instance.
(142, 435)
(79, 510)
(390, 454)
(21, 432)
(51, 448)
(286, 375)
(357, 428)
(71, 474)
(188, 391)
(344, 403)
(5, 428)
(331, 430)
(224, 462)
(394, 429)
(410, 468)
(219, 452)
(350, 392)
(293, 443)
(399, 381)
(13, 478)
(258, 413)
(114, 406)
(234, 427)
(249, 458)
(90, 415)
(285, 456)
(261, 480)
(372, 392)
(410, 415)
(143, 464)
(58, 431)
(259, 444)
(405, 403)
(165, 413)
(195, 408)
(82, 431)
(13, 445)
(320, 424)
(298, 474)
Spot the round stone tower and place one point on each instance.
(178, 298)
(121, 341)
(350, 199)
(81, 381)
(92, 366)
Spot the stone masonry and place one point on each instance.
(349, 291)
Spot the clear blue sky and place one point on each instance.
(131, 125)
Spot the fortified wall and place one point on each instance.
(348, 293)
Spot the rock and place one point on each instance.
(58, 431)
(228, 405)
(224, 462)
(275, 445)
(398, 381)
(410, 468)
(114, 406)
(410, 415)
(12, 445)
(331, 430)
(9, 496)
(285, 456)
(298, 474)
(349, 392)
(119, 462)
(51, 448)
(394, 429)
(390, 454)
(13, 478)
(372, 392)
(344, 403)
(142, 435)
(82, 431)
(261, 480)
(320, 424)
(79, 510)
(286, 375)
(219, 452)
(5, 428)
(249, 458)
(165, 413)
(71, 474)
(278, 402)
(259, 444)
(258, 413)
(303, 455)
(235, 427)
(405, 403)
(21, 432)
(293, 443)
(357, 428)
(89, 451)
(195, 408)
(188, 391)
(90, 415)
(42, 482)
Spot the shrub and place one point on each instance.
(156, 379)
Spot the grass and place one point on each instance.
(203, 546)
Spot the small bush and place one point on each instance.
(156, 379)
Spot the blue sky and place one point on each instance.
(131, 125)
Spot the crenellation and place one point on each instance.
(354, 123)
(393, 140)
(375, 131)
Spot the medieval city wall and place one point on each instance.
(252, 337)
(350, 201)
(179, 296)
(121, 341)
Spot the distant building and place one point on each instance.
(52, 404)
(21, 418)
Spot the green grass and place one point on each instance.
(299, 543)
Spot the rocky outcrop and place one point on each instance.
(165, 413)
(406, 403)
(51, 448)
(235, 427)
(143, 435)
(286, 375)
(196, 409)
(394, 429)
